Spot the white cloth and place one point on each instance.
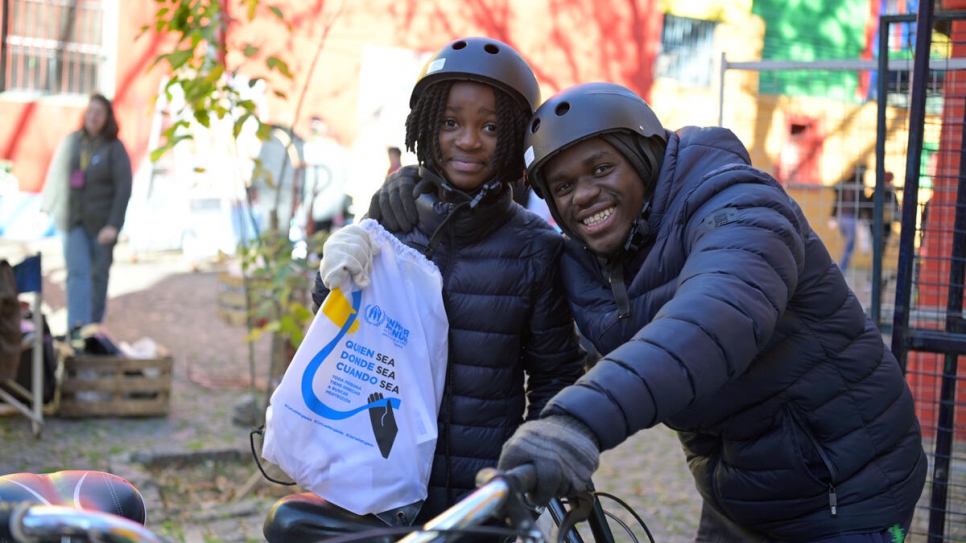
(55, 192)
(347, 255)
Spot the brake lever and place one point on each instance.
(581, 510)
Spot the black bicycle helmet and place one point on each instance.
(484, 60)
(582, 112)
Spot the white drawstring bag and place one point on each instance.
(354, 417)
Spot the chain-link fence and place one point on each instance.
(873, 152)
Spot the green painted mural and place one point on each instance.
(809, 30)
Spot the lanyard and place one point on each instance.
(88, 146)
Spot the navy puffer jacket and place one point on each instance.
(512, 340)
(745, 338)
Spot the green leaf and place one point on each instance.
(179, 57)
(239, 124)
(214, 74)
(276, 11)
(280, 94)
(275, 63)
(254, 335)
(301, 312)
(252, 4)
(203, 118)
(297, 337)
(169, 144)
(264, 131)
(249, 51)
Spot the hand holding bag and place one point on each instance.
(354, 417)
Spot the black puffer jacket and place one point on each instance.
(745, 337)
(508, 319)
(103, 199)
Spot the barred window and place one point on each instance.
(52, 46)
(687, 50)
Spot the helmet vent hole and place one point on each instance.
(534, 126)
(491, 49)
(562, 109)
(459, 45)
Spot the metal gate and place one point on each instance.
(911, 281)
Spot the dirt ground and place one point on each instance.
(202, 484)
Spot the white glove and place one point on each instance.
(347, 254)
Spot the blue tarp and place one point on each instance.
(20, 217)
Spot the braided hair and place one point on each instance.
(426, 117)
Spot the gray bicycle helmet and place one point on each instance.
(582, 112)
(484, 60)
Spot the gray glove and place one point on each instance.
(347, 256)
(394, 204)
(563, 451)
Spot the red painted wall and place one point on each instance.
(566, 41)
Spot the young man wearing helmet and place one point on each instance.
(721, 314)
(512, 342)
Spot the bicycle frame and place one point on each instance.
(32, 522)
(596, 519)
(499, 496)
(502, 494)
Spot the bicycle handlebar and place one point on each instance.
(523, 478)
(494, 490)
(26, 521)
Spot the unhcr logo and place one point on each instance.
(375, 315)
(391, 328)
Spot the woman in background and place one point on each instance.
(87, 190)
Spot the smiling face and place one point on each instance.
(95, 117)
(467, 136)
(597, 192)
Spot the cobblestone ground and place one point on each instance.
(158, 296)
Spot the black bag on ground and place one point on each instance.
(9, 322)
(25, 371)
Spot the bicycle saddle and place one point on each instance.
(307, 518)
(81, 489)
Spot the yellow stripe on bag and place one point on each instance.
(338, 309)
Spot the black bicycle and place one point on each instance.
(500, 496)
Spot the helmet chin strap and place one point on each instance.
(615, 263)
(469, 203)
(493, 185)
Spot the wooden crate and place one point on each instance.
(115, 386)
(231, 299)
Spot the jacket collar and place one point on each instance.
(463, 223)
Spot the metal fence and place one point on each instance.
(52, 46)
(910, 273)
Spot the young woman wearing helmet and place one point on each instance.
(720, 314)
(512, 342)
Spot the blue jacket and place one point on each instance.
(512, 340)
(745, 338)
